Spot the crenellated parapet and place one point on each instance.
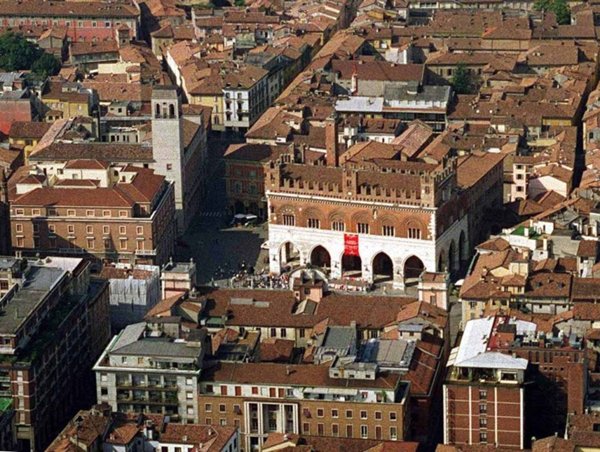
(411, 185)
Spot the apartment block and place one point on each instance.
(153, 367)
(513, 379)
(55, 324)
(484, 393)
(91, 208)
(263, 398)
(83, 21)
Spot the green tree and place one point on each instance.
(46, 65)
(542, 5)
(560, 8)
(462, 81)
(240, 3)
(562, 11)
(16, 52)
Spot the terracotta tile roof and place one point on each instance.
(476, 166)
(27, 129)
(80, 48)
(209, 438)
(471, 448)
(99, 197)
(499, 61)
(549, 285)
(88, 431)
(89, 183)
(587, 248)
(276, 350)
(291, 374)
(270, 125)
(343, 44)
(41, 8)
(425, 365)
(245, 78)
(556, 171)
(378, 70)
(369, 150)
(425, 312)
(552, 55)
(586, 289)
(255, 152)
(234, 16)
(101, 151)
(8, 157)
(549, 199)
(122, 432)
(525, 207)
(315, 138)
(275, 442)
(54, 90)
(414, 139)
(144, 187)
(367, 311)
(116, 88)
(108, 272)
(87, 164)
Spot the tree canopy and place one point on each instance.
(17, 53)
(462, 80)
(559, 7)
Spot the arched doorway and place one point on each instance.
(320, 257)
(413, 267)
(289, 256)
(383, 268)
(351, 266)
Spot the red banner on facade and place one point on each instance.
(351, 244)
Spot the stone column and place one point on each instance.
(274, 264)
(367, 271)
(398, 277)
(336, 268)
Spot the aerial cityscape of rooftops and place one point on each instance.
(299, 225)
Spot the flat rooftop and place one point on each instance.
(132, 341)
(8, 263)
(159, 347)
(16, 309)
(178, 267)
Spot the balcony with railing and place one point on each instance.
(144, 252)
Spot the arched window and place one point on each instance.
(157, 113)
(414, 232)
(414, 229)
(288, 219)
(171, 111)
(337, 222)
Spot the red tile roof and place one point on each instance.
(293, 375)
